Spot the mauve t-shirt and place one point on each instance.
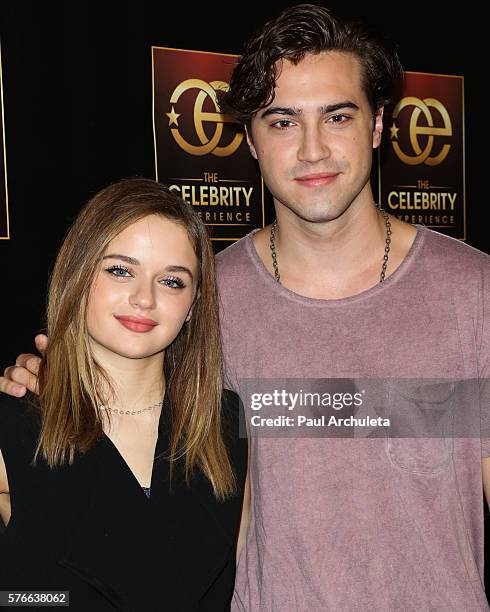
(341, 524)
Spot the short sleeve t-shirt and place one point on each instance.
(345, 524)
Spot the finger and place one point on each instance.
(21, 376)
(29, 362)
(41, 342)
(10, 388)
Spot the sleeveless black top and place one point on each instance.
(88, 528)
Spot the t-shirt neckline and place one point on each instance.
(367, 293)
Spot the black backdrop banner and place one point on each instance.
(77, 96)
(4, 208)
(422, 161)
(201, 153)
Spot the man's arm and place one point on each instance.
(242, 534)
(23, 375)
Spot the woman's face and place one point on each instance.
(144, 289)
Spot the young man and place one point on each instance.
(337, 289)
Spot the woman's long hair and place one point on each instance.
(70, 379)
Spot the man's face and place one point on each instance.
(314, 142)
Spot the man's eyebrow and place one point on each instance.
(129, 260)
(331, 108)
(135, 262)
(280, 110)
(294, 112)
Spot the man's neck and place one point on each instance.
(334, 259)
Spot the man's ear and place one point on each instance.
(250, 142)
(378, 127)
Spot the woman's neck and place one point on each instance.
(137, 383)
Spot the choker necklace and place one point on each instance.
(386, 255)
(131, 412)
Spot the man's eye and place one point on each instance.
(118, 271)
(282, 124)
(339, 118)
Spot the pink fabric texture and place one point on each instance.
(343, 524)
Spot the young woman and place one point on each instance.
(122, 482)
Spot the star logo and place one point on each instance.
(394, 131)
(172, 117)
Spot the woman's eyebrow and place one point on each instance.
(179, 269)
(129, 260)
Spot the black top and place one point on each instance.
(90, 529)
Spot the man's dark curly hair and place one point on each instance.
(297, 31)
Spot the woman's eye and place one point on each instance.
(173, 282)
(118, 271)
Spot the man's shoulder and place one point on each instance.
(453, 254)
(236, 250)
(454, 248)
(235, 260)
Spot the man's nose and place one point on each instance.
(314, 144)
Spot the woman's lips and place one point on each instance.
(315, 180)
(137, 324)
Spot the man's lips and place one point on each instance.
(319, 178)
(137, 324)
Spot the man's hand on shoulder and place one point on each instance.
(17, 379)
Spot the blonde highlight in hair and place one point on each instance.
(70, 378)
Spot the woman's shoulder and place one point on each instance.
(231, 410)
(18, 409)
(19, 417)
(234, 430)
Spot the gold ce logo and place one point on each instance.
(422, 156)
(209, 145)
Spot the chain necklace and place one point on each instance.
(386, 255)
(132, 412)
